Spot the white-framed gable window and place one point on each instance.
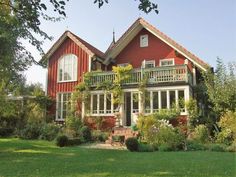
(123, 64)
(63, 105)
(144, 40)
(148, 63)
(167, 62)
(67, 68)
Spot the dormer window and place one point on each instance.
(67, 68)
(167, 62)
(144, 40)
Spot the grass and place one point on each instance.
(40, 158)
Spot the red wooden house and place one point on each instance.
(171, 69)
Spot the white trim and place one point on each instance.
(167, 59)
(123, 64)
(46, 82)
(147, 62)
(142, 42)
(74, 67)
(90, 63)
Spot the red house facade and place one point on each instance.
(171, 70)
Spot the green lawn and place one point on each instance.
(40, 158)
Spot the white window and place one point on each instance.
(149, 63)
(135, 102)
(63, 105)
(123, 64)
(167, 62)
(67, 68)
(101, 104)
(144, 40)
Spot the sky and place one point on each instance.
(207, 28)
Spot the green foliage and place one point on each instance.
(167, 114)
(132, 144)
(227, 124)
(146, 6)
(192, 109)
(86, 133)
(49, 131)
(143, 147)
(217, 147)
(201, 134)
(100, 136)
(122, 74)
(221, 87)
(74, 142)
(195, 146)
(73, 125)
(62, 141)
(32, 130)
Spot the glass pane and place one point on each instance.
(108, 104)
(155, 101)
(172, 99)
(94, 103)
(101, 104)
(163, 100)
(181, 99)
(147, 103)
(135, 102)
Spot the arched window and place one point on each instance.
(67, 68)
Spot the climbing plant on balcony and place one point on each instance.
(122, 74)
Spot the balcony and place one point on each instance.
(157, 75)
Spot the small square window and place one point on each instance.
(144, 40)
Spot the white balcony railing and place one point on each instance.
(156, 75)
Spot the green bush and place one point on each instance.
(62, 141)
(97, 135)
(86, 133)
(132, 144)
(225, 136)
(74, 142)
(49, 131)
(6, 131)
(32, 130)
(195, 146)
(231, 148)
(145, 148)
(165, 147)
(217, 147)
(201, 134)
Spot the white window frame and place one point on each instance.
(144, 40)
(61, 106)
(62, 65)
(169, 59)
(99, 112)
(123, 64)
(148, 62)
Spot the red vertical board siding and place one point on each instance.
(67, 47)
(156, 50)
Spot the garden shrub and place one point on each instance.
(49, 131)
(32, 130)
(165, 147)
(132, 144)
(86, 133)
(62, 141)
(217, 147)
(74, 142)
(167, 114)
(232, 147)
(143, 147)
(201, 134)
(225, 136)
(99, 136)
(6, 131)
(73, 126)
(195, 146)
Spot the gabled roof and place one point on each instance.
(135, 28)
(91, 50)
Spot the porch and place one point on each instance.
(156, 75)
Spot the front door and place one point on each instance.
(128, 108)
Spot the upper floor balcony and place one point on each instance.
(157, 75)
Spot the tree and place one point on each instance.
(20, 20)
(221, 87)
(144, 5)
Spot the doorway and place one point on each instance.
(128, 108)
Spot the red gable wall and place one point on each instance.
(68, 47)
(156, 50)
